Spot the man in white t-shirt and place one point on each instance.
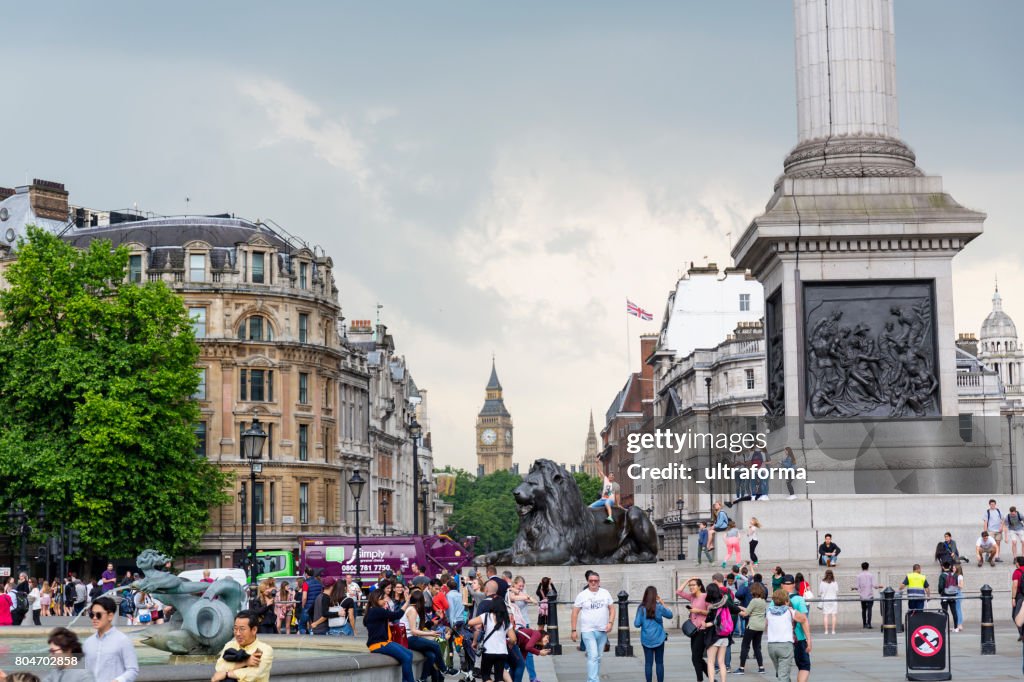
(593, 615)
(988, 549)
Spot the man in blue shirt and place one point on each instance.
(109, 654)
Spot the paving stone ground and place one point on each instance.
(849, 657)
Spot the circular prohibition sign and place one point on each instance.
(926, 640)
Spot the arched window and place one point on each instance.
(256, 328)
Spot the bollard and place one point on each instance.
(623, 647)
(988, 630)
(552, 626)
(889, 647)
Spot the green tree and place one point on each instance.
(590, 486)
(96, 415)
(485, 508)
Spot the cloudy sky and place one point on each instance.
(500, 176)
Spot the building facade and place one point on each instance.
(273, 346)
(494, 444)
(628, 415)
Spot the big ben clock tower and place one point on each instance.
(494, 430)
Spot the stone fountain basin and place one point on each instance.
(297, 658)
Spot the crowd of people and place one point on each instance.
(480, 625)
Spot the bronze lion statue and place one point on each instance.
(555, 527)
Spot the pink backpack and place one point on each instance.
(723, 622)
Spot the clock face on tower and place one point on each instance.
(488, 437)
(508, 438)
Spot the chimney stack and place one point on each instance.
(48, 200)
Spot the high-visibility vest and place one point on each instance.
(915, 585)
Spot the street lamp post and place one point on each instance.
(241, 526)
(355, 484)
(711, 479)
(424, 486)
(680, 504)
(415, 431)
(253, 439)
(384, 504)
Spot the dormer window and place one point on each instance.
(303, 275)
(197, 267)
(257, 267)
(135, 269)
(255, 328)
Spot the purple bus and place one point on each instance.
(335, 557)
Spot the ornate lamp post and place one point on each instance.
(253, 439)
(355, 484)
(384, 504)
(680, 505)
(424, 491)
(415, 431)
(711, 480)
(241, 526)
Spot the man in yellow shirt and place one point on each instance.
(235, 665)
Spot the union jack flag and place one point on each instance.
(636, 311)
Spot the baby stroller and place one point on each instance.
(457, 651)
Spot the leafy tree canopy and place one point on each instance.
(590, 486)
(485, 508)
(96, 415)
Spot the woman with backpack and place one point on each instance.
(693, 592)
(494, 641)
(718, 627)
(949, 590)
(652, 632)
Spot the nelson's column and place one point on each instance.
(855, 251)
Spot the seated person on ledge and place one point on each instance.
(609, 496)
(828, 552)
(948, 551)
(987, 548)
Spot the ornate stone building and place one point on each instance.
(268, 319)
(493, 430)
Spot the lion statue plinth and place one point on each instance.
(555, 527)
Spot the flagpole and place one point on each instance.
(629, 359)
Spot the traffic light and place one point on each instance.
(44, 553)
(74, 541)
(56, 549)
